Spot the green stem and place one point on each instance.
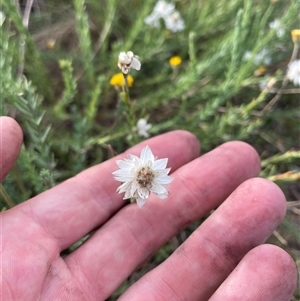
(104, 140)
(19, 180)
(130, 116)
(6, 197)
(126, 90)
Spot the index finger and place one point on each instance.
(72, 209)
(11, 139)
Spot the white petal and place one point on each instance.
(140, 202)
(160, 163)
(162, 196)
(131, 158)
(159, 190)
(146, 155)
(135, 64)
(124, 59)
(143, 133)
(164, 180)
(125, 164)
(124, 187)
(130, 54)
(137, 163)
(124, 179)
(123, 173)
(133, 188)
(163, 8)
(128, 193)
(143, 193)
(162, 172)
(141, 123)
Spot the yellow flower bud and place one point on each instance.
(118, 80)
(261, 70)
(296, 36)
(50, 44)
(175, 61)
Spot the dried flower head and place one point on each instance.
(119, 80)
(141, 176)
(128, 60)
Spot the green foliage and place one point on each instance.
(55, 82)
(83, 32)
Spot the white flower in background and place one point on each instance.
(174, 22)
(260, 58)
(293, 72)
(142, 127)
(263, 57)
(141, 176)
(276, 25)
(128, 60)
(247, 55)
(153, 20)
(166, 11)
(163, 8)
(2, 18)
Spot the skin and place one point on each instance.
(224, 259)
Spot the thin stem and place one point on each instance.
(23, 38)
(15, 170)
(131, 119)
(126, 88)
(6, 197)
(284, 83)
(27, 13)
(130, 116)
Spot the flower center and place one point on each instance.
(145, 176)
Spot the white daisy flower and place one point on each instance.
(174, 22)
(128, 60)
(141, 176)
(293, 72)
(142, 127)
(166, 11)
(163, 8)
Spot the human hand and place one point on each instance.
(224, 259)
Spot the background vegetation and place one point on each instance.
(57, 58)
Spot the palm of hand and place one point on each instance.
(221, 260)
